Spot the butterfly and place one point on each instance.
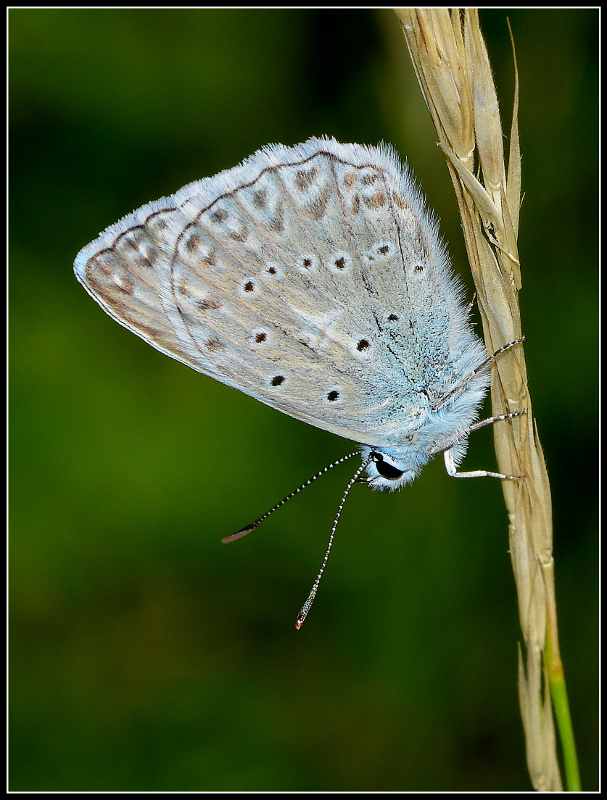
(314, 279)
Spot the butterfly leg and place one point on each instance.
(481, 473)
(477, 473)
(491, 420)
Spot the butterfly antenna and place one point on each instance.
(249, 528)
(308, 604)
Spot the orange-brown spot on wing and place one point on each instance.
(276, 223)
(219, 215)
(318, 208)
(109, 282)
(399, 200)
(192, 243)
(241, 235)
(260, 198)
(377, 200)
(210, 260)
(304, 178)
(159, 222)
(369, 178)
(213, 345)
(208, 304)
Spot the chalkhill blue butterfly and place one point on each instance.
(314, 279)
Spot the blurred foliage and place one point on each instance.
(144, 654)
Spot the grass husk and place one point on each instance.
(454, 73)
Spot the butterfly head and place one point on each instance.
(391, 469)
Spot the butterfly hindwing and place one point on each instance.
(311, 278)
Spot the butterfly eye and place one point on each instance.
(387, 470)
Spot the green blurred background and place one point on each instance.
(144, 654)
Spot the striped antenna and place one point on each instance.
(246, 530)
(308, 604)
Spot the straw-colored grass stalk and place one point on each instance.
(453, 70)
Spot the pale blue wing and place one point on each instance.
(311, 278)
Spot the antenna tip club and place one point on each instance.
(239, 534)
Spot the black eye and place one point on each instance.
(387, 470)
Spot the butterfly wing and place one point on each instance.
(310, 277)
